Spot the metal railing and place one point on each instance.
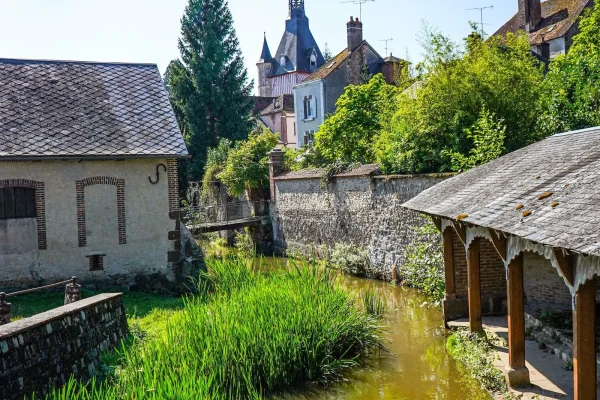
(227, 212)
(72, 294)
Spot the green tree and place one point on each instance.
(349, 133)
(215, 163)
(209, 84)
(327, 55)
(454, 84)
(571, 97)
(488, 136)
(247, 166)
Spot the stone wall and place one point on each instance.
(363, 211)
(107, 209)
(48, 348)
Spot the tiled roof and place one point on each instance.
(558, 16)
(329, 66)
(565, 165)
(65, 109)
(260, 103)
(363, 170)
(284, 102)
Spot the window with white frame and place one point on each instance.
(309, 138)
(309, 108)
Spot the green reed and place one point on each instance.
(246, 335)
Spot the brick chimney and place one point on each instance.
(355, 33)
(530, 14)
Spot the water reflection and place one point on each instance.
(417, 365)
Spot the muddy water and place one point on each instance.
(417, 365)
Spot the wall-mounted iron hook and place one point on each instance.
(157, 173)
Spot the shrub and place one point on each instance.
(350, 259)
(424, 263)
(244, 245)
(477, 354)
(249, 335)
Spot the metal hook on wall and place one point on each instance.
(157, 173)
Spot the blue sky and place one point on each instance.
(147, 30)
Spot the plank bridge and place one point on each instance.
(227, 216)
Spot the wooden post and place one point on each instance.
(584, 342)
(449, 263)
(517, 373)
(474, 286)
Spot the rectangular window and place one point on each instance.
(309, 108)
(309, 138)
(96, 262)
(17, 203)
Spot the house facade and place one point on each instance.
(88, 173)
(550, 25)
(297, 56)
(280, 118)
(316, 96)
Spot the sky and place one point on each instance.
(147, 30)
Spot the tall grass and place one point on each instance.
(249, 334)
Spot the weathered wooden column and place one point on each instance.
(584, 342)
(275, 168)
(473, 267)
(517, 373)
(449, 264)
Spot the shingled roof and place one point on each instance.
(65, 109)
(285, 103)
(558, 17)
(567, 166)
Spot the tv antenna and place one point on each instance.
(360, 4)
(386, 45)
(481, 10)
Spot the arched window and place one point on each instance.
(17, 202)
(282, 61)
(313, 59)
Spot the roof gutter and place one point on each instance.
(96, 157)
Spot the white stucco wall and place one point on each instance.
(146, 215)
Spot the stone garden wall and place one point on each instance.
(49, 348)
(363, 211)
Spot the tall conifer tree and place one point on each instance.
(209, 85)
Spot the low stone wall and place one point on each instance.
(364, 211)
(45, 350)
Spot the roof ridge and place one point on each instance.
(48, 61)
(584, 130)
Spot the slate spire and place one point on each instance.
(265, 55)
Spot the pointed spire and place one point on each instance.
(265, 55)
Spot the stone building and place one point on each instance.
(88, 172)
(297, 56)
(550, 25)
(317, 95)
(535, 213)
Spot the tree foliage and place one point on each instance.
(349, 133)
(433, 116)
(209, 85)
(247, 165)
(572, 89)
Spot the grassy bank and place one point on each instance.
(247, 335)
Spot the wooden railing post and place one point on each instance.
(473, 267)
(72, 291)
(5, 310)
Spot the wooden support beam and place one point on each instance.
(517, 373)
(584, 342)
(461, 231)
(499, 242)
(473, 267)
(437, 222)
(449, 264)
(566, 263)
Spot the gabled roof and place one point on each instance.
(283, 103)
(558, 17)
(329, 66)
(566, 165)
(63, 109)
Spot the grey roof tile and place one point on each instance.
(490, 194)
(71, 109)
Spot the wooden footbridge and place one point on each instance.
(227, 216)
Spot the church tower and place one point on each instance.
(297, 56)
